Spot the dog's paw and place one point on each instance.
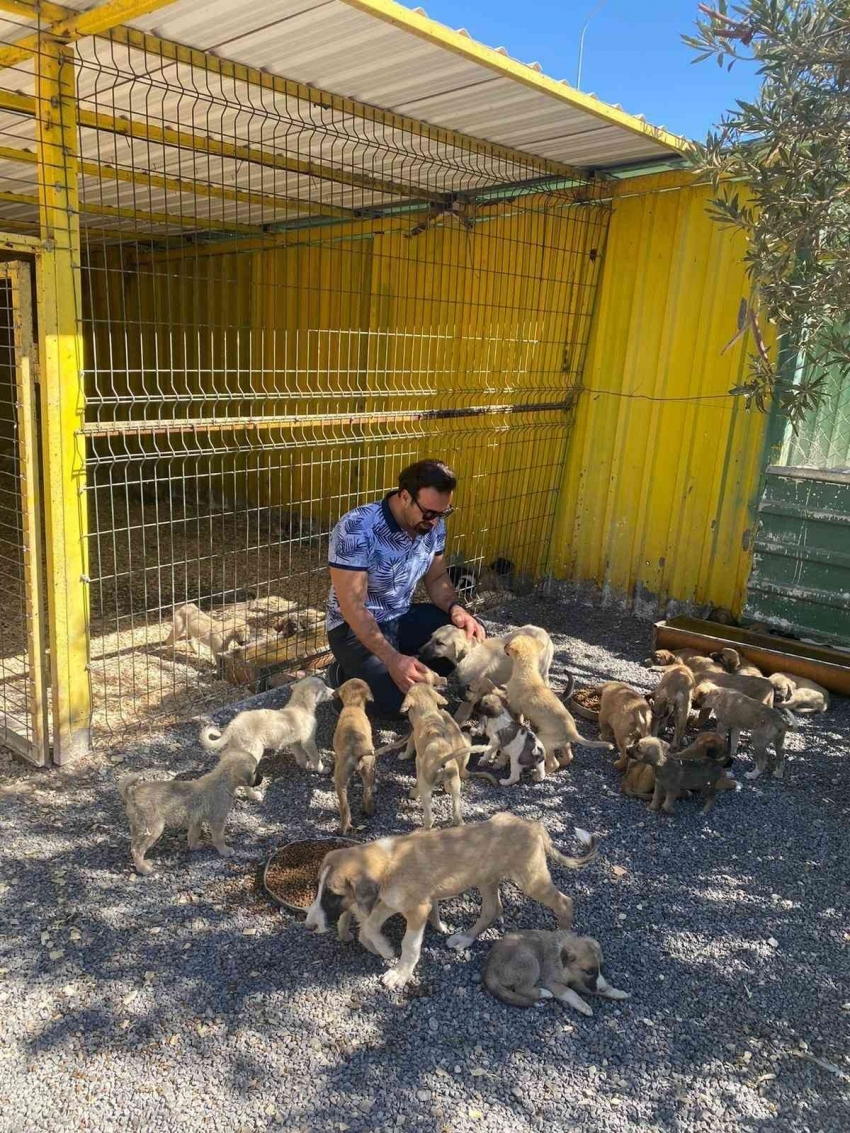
(460, 941)
(779, 773)
(752, 774)
(254, 794)
(544, 993)
(616, 993)
(226, 852)
(583, 1009)
(394, 979)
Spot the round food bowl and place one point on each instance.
(296, 860)
(585, 703)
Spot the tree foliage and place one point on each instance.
(780, 172)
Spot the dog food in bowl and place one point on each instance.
(585, 702)
(291, 876)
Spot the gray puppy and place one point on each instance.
(525, 968)
(675, 777)
(152, 806)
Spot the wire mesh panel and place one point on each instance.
(822, 440)
(286, 297)
(22, 655)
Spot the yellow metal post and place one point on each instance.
(62, 399)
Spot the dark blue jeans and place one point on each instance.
(407, 634)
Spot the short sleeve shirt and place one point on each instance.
(368, 538)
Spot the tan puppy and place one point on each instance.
(650, 752)
(529, 696)
(738, 713)
(624, 716)
(193, 625)
(477, 659)
(672, 697)
(758, 688)
(525, 968)
(411, 874)
(151, 806)
(442, 751)
(697, 662)
(798, 694)
(353, 748)
(733, 662)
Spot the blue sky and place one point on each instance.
(633, 54)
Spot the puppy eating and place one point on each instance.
(442, 751)
(673, 697)
(353, 748)
(529, 696)
(524, 968)
(412, 873)
(624, 716)
(477, 659)
(153, 806)
(193, 625)
(259, 729)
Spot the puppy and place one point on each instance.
(529, 696)
(758, 688)
(672, 697)
(153, 806)
(476, 659)
(442, 751)
(353, 748)
(198, 628)
(732, 662)
(412, 873)
(650, 752)
(509, 741)
(259, 729)
(624, 716)
(525, 968)
(798, 694)
(737, 713)
(675, 777)
(697, 662)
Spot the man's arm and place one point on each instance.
(442, 593)
(351, 588)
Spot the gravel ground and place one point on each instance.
(182, 1002)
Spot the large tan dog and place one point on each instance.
(525, 968)
(412, 873)
(475, 660)
(527, 695)
(624, 716)
(798, 694)
(354, 749)
(442, 751)
(672, 697)
(738, 713)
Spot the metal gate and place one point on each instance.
(22, 647)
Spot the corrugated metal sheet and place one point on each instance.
(664, 466)
(801, 571)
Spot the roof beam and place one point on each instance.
(77, 25)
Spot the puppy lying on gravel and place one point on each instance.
(152, 806)
(525, 968)
(798, 694)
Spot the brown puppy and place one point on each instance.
(733, 662)
(353, 748)
(757, 688)
(412, 873)
(798, 694)
(528, 696)
(650, 752)
(737, 713)
(193, 625)
(672, 697)
(697, 662)
(624, 716)
(675, 777)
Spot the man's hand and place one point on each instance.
(465, 621)
(407, 671)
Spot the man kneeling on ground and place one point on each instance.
(378, 554)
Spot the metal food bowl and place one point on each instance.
(279, 901)
(579, 709)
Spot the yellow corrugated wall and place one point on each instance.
(663, 466)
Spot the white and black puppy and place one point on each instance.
(508, 740)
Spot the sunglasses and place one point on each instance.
(428, 515)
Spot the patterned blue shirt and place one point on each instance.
(368, 538)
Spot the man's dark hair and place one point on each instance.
(427, 474)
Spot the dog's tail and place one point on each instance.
(506, 994)
(567, 692)
(458, 753)
(575, 738)
(788, 717)
(483, 775)
(126, 782)
(587, 840)
(212, 738)
(394, 746)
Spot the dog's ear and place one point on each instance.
(366, 891)
(368, 696)
(438, 699)
(568, 955)
(406, 704)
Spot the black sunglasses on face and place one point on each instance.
(428, 515)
